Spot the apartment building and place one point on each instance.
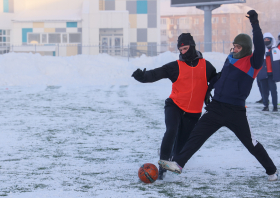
(227, 21)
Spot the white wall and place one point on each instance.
(1, 6)
(54, 4)
(90, 23)
(19, 5)
(6, 20)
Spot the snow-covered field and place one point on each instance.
(81, 127)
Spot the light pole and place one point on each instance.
(208, 25)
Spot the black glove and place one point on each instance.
(253, 16)
(207, 99)
(212, 82)
(139, 74)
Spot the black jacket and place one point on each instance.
(171, 71)
(238, 75)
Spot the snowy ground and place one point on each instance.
(82, 127)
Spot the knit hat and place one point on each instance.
(185, 39)
(246, 43)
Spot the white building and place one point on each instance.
(66, 27)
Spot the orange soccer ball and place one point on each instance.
(148, 173)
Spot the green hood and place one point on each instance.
(246, 42)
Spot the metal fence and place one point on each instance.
(123, 51)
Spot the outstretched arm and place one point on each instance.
(166, 71)
(257, 58)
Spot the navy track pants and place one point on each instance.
(233, 117)
(179, 125)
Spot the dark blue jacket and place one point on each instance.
(237, 77)
(274, 54)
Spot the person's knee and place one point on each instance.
(171, 132)
(258, 148)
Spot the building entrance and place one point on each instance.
(111, 41)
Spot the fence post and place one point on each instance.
(223, 46)
(128, 52)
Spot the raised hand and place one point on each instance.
(253, 16)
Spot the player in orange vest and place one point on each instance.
(190, 76)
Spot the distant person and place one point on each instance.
(270, 72)
(228, 105)
(278, 42)
(189, 76)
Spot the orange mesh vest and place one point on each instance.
(188, 92)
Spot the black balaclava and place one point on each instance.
(187, 39)
(246, 43)
(268, 44)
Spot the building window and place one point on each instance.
(44, 38)
(64, 38)
(4, 41)
(163, 21)
(224, 32)
(196, 21)
(215, 32)
(177, 21)
(163, 32)
(239, 20)
(54, 38)
(182, 21)
(34, 38)
(172, 21)
(75, 38)
(215, 20)
(187, 20)
(224, 20)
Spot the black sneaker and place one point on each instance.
(275, 109)
(161, 173)
(259, 101)
(265, 109)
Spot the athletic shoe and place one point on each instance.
(265, 109)
(171, 166)
(273, 177)
(275, 109)
(161, 173)
(260, 101)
